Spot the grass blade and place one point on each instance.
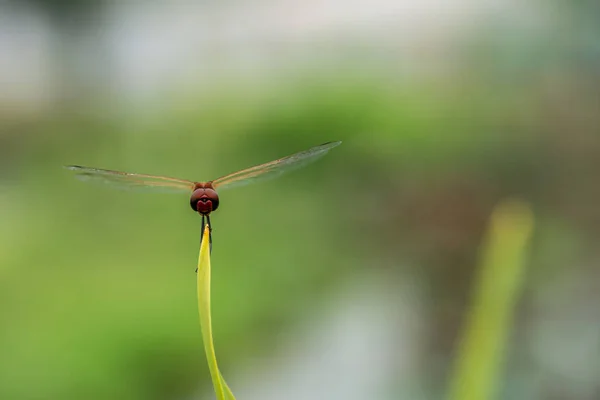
(496, 290)
(203, 280)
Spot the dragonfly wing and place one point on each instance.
(274, 168)
(126, 180)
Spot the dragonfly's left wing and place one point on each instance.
(127, 180)
(274, 168)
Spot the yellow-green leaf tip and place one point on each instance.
(205, 245)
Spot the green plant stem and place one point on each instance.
(497, 288)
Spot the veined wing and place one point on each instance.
(274, 168)
(126, 180)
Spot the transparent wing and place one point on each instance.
(126, 180)
(274, 168)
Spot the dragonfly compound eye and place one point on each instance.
(204, 200)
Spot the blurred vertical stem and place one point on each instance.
(221, 389)
(496, 290)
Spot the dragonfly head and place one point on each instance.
(204, 200)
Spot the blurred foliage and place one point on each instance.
(63, 12)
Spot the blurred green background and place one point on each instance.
(348, 279)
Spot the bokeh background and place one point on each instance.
(348, 279)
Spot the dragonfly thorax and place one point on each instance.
(204, 200)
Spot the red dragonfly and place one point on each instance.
(204, 198)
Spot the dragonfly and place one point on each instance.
(204, 198)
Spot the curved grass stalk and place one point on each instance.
(203, 280)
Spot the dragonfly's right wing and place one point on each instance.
(274, 168)
(126, 180)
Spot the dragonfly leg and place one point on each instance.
(209, 232)
(202, 229)
(201, 235)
